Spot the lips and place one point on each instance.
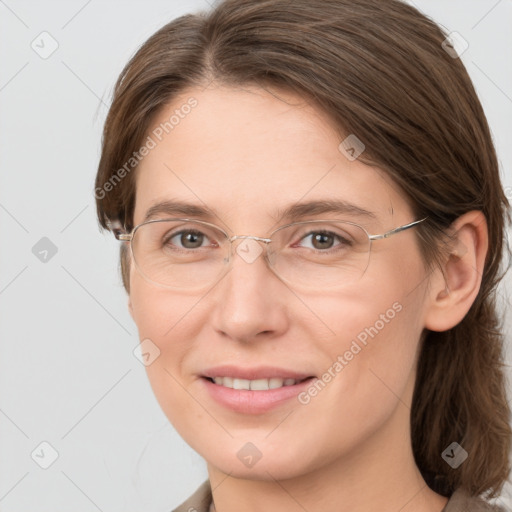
(253, 390)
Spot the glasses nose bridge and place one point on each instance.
(249, 237)
(232, 239)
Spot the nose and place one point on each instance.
(250, 301)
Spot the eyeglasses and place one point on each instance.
(314, 254)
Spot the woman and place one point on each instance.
(313, 224)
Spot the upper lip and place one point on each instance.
(260, 372)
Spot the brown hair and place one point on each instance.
(379, 69)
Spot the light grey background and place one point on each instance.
(68, 376)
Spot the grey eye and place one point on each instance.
(186, 239)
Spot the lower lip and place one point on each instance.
(254, 402)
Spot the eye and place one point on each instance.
(186, 239)
(324, 240)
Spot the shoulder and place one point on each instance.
(461, 501)
(199, 501)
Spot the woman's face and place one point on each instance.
(246, 155)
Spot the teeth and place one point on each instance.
(260, 384)
(255, 385)
(241, 384)
(275, 383)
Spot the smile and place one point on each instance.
(255, 385)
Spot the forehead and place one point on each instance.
(249, 153)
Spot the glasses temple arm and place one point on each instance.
(396, 230)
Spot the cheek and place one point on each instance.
(375, 334)
(161, 317)
(368, 363)
(371, 334)
(377, 323)
(172, 322)
(160, 314)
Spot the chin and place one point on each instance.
(271, 469)
(257, 460)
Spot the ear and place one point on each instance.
(130, 307)
(451, 295)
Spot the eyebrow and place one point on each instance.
(290, 213)
(325, 206)
(178, 208)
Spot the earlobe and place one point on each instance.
(453, 288)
